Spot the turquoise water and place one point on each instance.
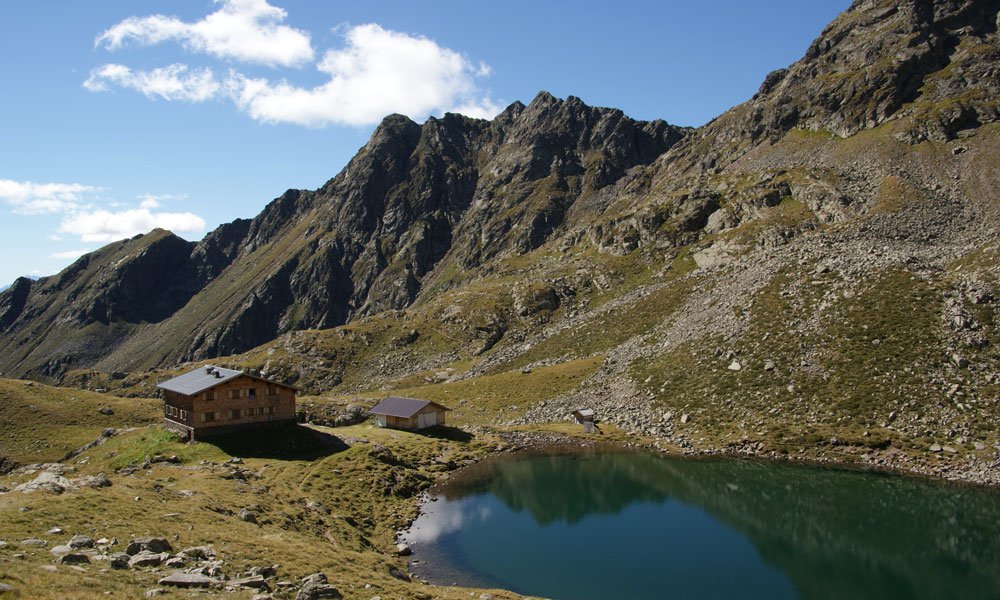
(629, 525)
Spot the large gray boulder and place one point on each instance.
(149, 544)
(317, 586)
(187, 580)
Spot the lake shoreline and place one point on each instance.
(973, 472)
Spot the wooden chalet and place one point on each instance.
(408, 413)
(211, 401)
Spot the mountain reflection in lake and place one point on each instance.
(629, 525)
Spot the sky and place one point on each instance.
(120, 116)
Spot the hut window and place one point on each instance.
(210, 395)
(209, 416)
(234, 414)
(234, 394)
(184, 415)
(270, 410)
(252, 393)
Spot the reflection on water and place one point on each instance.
(642, 526)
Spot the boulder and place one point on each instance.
(176, 562)
(106, 410)
(248, 516)
(149, 544)
(119, 560)
(317, 586)
(254, 582)
(34, 542)
(73, 559)
(147, 559)
(81, 541)
(187, 580)
(403, 550)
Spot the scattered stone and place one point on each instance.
(685, 418)
(198, 552)
(735, 366)
(81, 541)
(95, 481)
(59, 550)
(149, 544)
(54, 531)
(403, 550)
(265, 572)
(935, 448)
(119, 560)
(769, 365)
(146, 558)
(485, 596)
(106, 410)
(949, 449)
(73, 559)
(317, 586)
(187, 580)
(34, 542)
(256, 582)
(960, 361)
(398, 573)
(176, 562)
(156, 592)
(248, 516)
(4, 587)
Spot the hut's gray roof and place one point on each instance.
(404, 408)
(199, 380)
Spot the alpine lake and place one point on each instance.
(642, 526)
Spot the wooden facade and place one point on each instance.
(240, 402)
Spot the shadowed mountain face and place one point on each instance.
(443, 206)
(365, 242)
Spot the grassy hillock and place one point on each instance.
(41, 423)
(323, 500)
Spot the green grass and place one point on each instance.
(503, 396)
(361, 495)
(41, 423)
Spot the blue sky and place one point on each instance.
(117, 116)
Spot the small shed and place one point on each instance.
(408, 413)
(585, 417)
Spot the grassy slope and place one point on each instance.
(41, 423)
(365, 493)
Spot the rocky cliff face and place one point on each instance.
(367, 241)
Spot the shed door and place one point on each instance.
(426, 420)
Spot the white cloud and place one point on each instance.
(108, 226)
(31, 198)
(156, 200)
(70, 254)
(173, 82)
(378, 72)
(245, 30)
